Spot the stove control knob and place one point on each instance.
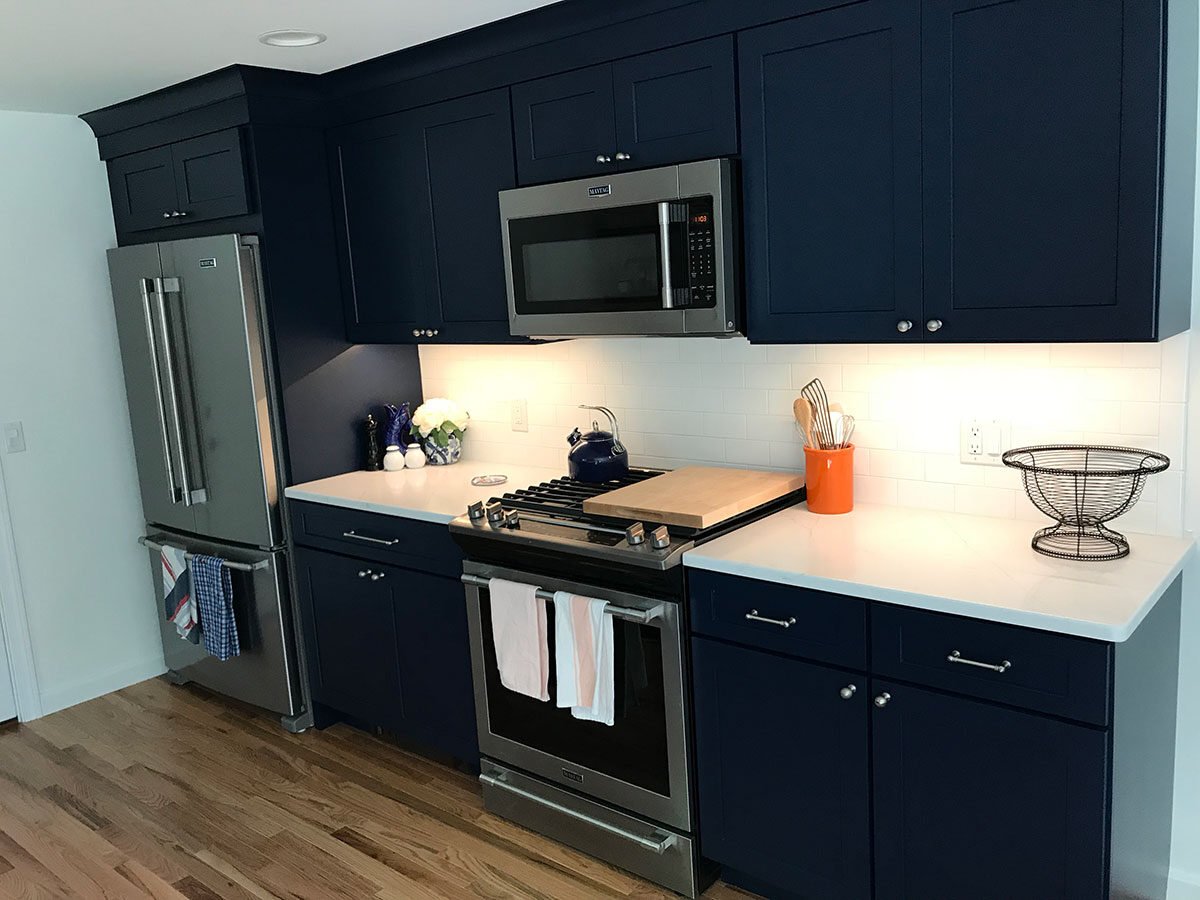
(635, 534)
(475, 511)
(495, 513)
(512, 519)
(660, 538)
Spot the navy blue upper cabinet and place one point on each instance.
(974, 800)
(190, 181)
(564, 125)
(831, 162)
(656, 109)
(1041, 144)
(418, 221)
(783, 772)
(676, 105)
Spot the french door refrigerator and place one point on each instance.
(197, 374)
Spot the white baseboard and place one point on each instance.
(62, 696)
(1183, 885)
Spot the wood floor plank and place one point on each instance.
(165, 793)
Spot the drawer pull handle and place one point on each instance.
(956, 657)
(370, 540)
(753, 616)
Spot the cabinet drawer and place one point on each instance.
(824, 627)
(1052, 673)
(425, 546)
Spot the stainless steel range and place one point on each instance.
(623, 792)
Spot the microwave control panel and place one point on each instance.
(701, 253)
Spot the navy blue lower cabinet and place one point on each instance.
(388, 647)
(783, 773)
(349, 625)
(980, 801)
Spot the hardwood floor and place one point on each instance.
(163, 792)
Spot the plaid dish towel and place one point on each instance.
(214, 595)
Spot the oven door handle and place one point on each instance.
(653, 844)
(641, 616)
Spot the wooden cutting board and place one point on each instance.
(694, 496)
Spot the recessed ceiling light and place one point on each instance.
(290, 37)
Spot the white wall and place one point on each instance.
(73, 495)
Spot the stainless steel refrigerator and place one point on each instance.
(201, 403)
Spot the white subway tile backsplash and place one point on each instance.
(726, 402)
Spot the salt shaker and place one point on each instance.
(414, 456)
(393, 460)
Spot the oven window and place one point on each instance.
(633, 749)
(604, 260)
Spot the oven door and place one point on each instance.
(640, 763)
(638, 253)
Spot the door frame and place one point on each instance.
(14, 623)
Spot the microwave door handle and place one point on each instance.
(147, 287)
(664, 244)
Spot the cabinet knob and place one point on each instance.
(603, 159)
(416, 332)
(433, 333)
(933, 325)
(363, 573)
(622, 157)
(848, 691)
(166, 215)
(904, 326)
(882, 700)
(375, 576)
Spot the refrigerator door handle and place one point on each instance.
(147, 287)
(192, 493)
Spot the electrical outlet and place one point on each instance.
(519, 416)
(982, 441)
(14, 437)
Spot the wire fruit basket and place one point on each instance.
(1082, 487)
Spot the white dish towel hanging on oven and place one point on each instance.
(583, 657)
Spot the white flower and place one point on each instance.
(437, 412)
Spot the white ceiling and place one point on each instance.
(72, 56)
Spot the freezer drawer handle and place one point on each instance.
(370, 540)
(147, 286)
(956, 657)
(229, 564)
(654, 844)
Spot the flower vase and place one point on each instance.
(443, 456)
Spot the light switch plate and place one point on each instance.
(14, 437)
(520, 415)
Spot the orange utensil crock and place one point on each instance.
(829, 479)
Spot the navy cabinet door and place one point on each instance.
(831, 160)
(782, 771)
(210, 176)
(350, 628)
(981, 801)
(463, 152)
(379, 230)
(1041, 141)
(142, 186)
(435, 665)
(563, 123)
(677, 104)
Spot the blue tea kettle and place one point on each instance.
(598, 455)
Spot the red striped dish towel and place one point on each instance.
(583, 657)
(179, 603)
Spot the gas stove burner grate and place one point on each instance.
(563, 497)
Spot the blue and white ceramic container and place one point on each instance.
(443, 456)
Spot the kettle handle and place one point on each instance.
(618, 447)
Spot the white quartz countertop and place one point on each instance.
(431, 493)
(966, 565)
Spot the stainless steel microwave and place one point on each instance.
(634, 253)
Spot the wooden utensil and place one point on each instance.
(802, 410)
(694, 496)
